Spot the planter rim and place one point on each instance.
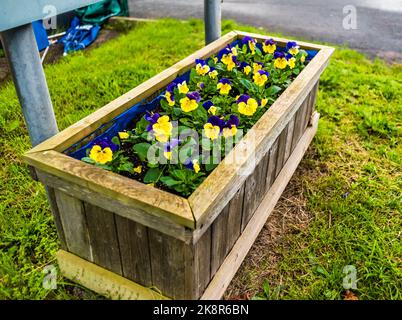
(204, 204)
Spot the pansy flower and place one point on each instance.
(280, 60)
(257, 65)
(213, 127)
(224, 85)
(245, 67)
(263, 102)
(209, 106)
(200, 85)
(168, 147)
(291, 61)
(183, 88)
(251, 43)
(292, 47)
(230, 127)
(269, 46)
(215, 59)
(190, 101)
(201, 67)
(160, 126)
(229, 60)
(169, 93)
(138, 169)
(213, 73)
(123, 135)
(260, 77)
(102, 151)
(192, 165)
(246, 105)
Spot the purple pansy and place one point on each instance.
(170, 88)
(261, 72)
(245, 40)
(291, 44)
(171, 144)
(233, 121)
(270, 42)
(216, 121)
(207, 104)
(278, 55)
(194, 95)
(225, 81)
(105, 143)
(200, 61)
(152, 118)
(243, 98)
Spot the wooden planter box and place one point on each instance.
(128, 240)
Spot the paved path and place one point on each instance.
(379, 22)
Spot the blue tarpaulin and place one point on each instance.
(40, 35)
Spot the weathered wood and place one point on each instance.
(219, 248)
(134, 251)
(254, 190)
(56, 216)
(224, 275)
(72, 216)
(125, 210)
(289, 138)
(167, 264)
(103, 238)
(235, 217)
(112, 185)
(102, 281)
(281, 150)
(271, 165)
(297, 129)
(312, 102)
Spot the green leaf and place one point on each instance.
(273, 90)
(180, 174)
(88, 160)
(126, 166)
(169, 181)
(141, 125)
(116, 140)
(246, 83)
(165, 106)
(152, 175)
(210, 164)
(141, 149)
(177, 111)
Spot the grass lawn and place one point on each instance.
(351, 177)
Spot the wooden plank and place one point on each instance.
(197, 266)
(281, 150)
(112, 185)
(74, 224)
(134, 251)
(289, 138)
(103, 238)
(56, 216)
(233, 261)
(218, 188)
(235, 217)
(254, 190)
(312, 102)
(139, 215)
(102, 281)
(219, 245)
(297, 129)
(86, 126)
(271, 165)
(167, 264)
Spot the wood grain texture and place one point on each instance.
(134, 251)
(281, 150)
(224, 275)
(111, 185)
(289, 138)
(139, 215)
(235, 217)
(219, 245)
(72, 216)
(56, 216)
(271, 164)
(102, 281)
(103, 238)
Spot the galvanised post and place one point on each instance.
(212, 18)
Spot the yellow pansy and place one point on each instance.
(246, 105)
(167, 154)
(215, 60)
(138, 169)
(227, 59)
(256, 67)
(269, 48)
(292, 62)
(183, 88)
(264, 102)
(223, 88)
(212, 110)
(100, 155)
(213, 74)
(162, 129)
(196, 166)
(212, 132)
(260, 77)
(169, 98)
(188, 105)
(123, 135)
(228, 132)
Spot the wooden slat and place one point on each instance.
(167, 264)
(108, 184)
(312, 102)
(72, 216)
(86, 126)
(297, 129)
(134, 251)
(271, 165)
(219, 246)
(289, 138)
(120, 208)
(233, 261)
(235, 217)
(103, 238)
(218, 188)
(102, 281)
(56, 216)
(281, 150)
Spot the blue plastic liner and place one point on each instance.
(121, 122)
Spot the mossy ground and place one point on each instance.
(351, 181)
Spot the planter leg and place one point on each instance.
(212, 17)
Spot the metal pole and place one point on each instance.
(30, 82)
(212, 17)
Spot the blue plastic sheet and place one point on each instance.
(79, 36)
(40, 35)
(121, 122)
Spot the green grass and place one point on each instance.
(358, 144)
